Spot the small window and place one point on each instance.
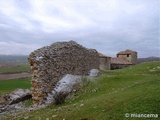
(127, 55)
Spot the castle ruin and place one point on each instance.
(50, 63)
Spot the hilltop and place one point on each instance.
(133, 90)
(148, 59)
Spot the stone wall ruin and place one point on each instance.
(50, 63)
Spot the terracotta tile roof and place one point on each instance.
(104, 56)
(126, 52)
(121, 61)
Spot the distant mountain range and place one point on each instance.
(148, 59)
(13, 58)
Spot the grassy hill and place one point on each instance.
(133, 90)
(16, 67)
(14, 63)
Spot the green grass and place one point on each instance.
(20, 68)
(10, 85)
(130, 90)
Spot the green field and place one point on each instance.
(19, 68)
(7, 86)
(133, 90)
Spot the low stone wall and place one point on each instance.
(105, 63)
(49, 64)
(119, 66)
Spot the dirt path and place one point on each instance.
(14, 76)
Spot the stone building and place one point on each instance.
(129, 55)
(118, 63)
(105, 62)
(124, 59)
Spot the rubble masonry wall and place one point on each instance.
(50, 63)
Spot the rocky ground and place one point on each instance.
(14, 103)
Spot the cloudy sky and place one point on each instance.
(109, 26)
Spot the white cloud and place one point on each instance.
(18, 16)
(106, 25)
(17, 48)
(47, 13)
